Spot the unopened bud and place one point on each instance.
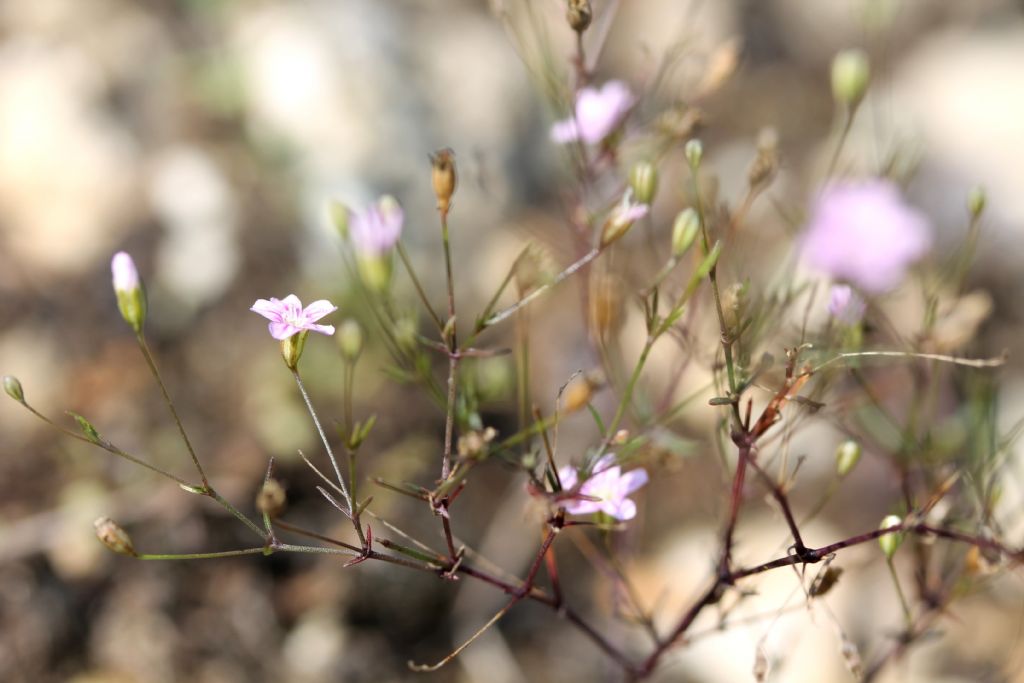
(291, 348)
(579, 15)
(622, 218)
(847, 456)
(405, 332)
(890, 542)
(851, 73)
(643, 179)
(339, 215)
(271, 499)
(694, 151)
(131, 299)
(113, 536)
(976, 200)
(443, 177)
(13, 388)
(350, 339)
(375, 271)
(684, 231)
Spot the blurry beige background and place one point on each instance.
(206, 136)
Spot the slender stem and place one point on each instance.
(323, 439)
(224, 503)
(144, 347)
(907, 615)
(201, 556)
(783, 500)
(419, 288)
(843, 134)
(569, 271)
(627, 396)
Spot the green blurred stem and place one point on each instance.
(419, 288)
(201, 556)
(144, 347)
(844, 133)
(627, 396)
(899, 591)
(571, 270)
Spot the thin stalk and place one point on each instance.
(144, 347)
(569, 271)
(419, 288)
(323, 439)
(201, 556)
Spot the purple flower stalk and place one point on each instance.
(125, 274)
(863, 232)
(608, 484)
(597, 113)
(846, 305)
(375, 230)
(287, 317)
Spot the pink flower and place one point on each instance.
(376, 229)
(845, 305)
(864, 232)
(287, 316)
(606, 483)
(598, 113)
(125, 274)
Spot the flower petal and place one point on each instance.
(271, 310)
(318, 309)
(281, 330)
(322, 329)
(624, 509)
(565, 131)
(632, 480)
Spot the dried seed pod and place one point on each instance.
(114, 537)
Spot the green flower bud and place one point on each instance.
(131, 299)
(375, 270)
(847, 456)
(291, 348)
(350, 339)
(976, 200)
(694, 151)
(684, 231)
(13, 388)
(890, 542)
(271, 499)
(113, 536)
(339, 215)
(851, 73)
(643, 178)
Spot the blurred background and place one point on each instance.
(206, 137)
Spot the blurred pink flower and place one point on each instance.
(598, 113)
(846, 305)
(607, 483)
(125, 274)
(376, 229)
(864, 232)
(287, 316)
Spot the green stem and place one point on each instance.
(323, 439)
(419, 288)
(201, 556)
(144, 347)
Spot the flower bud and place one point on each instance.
(113, 536)
(976, 200)
(579, 15)
(13, 388)
(271, 499)
(291, 348)
(131, 300)
(375, 271)
(890, 542)
(851, 73)
(694, 151)
(847, 455)
(622, 218)
(684, 231)
(643, 179)
(443, 177)
(350, 339)
(339, 215)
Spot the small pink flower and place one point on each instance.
(125, 274)
(376, 229)
(864, 232)
(845, 305)
(288, 317)
(597, 113)
(607, 483)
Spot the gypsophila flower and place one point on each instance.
(864, 232)
(622, 217)
(287, 316)
(608, 484)
(375, 230)
(846, 305)
(597, 113)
